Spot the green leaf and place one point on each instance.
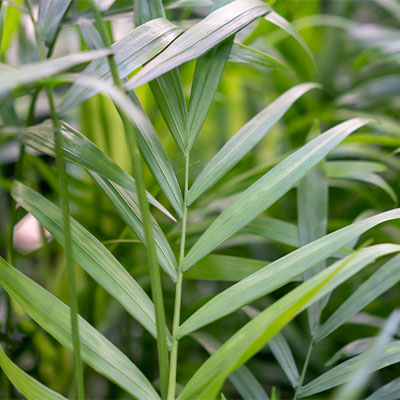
(97, 261)
(28, 386)
(282, 23)
(51, 13)
(312, 215)
(268, 189)
(362, 171)
(379, 282)
(243, 380)
(281, 351)
(90, 35)
(81, 151)
(206, 78)
(156, 158)
(241, 53)
(130, 52)
(355, 386)
(223, 268)
(245, 140)
(126, 203)
(147, 10)
(167, 89)
(54, 317)
(351, 349)
(168, 93)
(30, 73)
(273, 229)
(200, 38)
(280, 272)
(340, 374)
(246, 342)
(390, 391)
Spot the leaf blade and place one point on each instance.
(254, 335)
(53, 316)
(81, 151)
(91, 255)
(279, 272)
(197, 40)
(28, 386)
(269, 188)
(245, 140)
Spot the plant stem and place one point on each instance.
(69, 259)
(137, 167)
(305, 366)
(178, 292)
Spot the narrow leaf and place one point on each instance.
(81, 151)
(340, 374)
(28, 386)
(126, 203)
(244, 54)
(312, 215)
(130, 52)
(51, 13)
(245, 140)
(223, 268)
(167, 89)
(97, 261)
(379, 282)
(282, 23)
(390, 391)
(273, 229)
(268, 189)
(280, 272)
(355, 386)
(90, 34)
(200, 38)
(207, 75)
(243, 380)
(246, 342)
(34, 72)
(54, 317)
(156, 158)
(351, 349)
(281, 351)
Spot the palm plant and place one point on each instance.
(214, 221)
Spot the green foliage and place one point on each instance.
(213, 104)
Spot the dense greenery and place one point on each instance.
(220, 179)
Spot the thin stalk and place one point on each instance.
(305, 366)
(137, 167)
(63, 183)
(178, 292)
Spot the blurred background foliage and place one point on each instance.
(355, 48)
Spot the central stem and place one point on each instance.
(178, 293)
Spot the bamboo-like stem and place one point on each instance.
(178, 292)
(137, 167)
(69, 259)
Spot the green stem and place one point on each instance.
(137, 167)
(178, 293)
(305, 366)
(63, 183)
